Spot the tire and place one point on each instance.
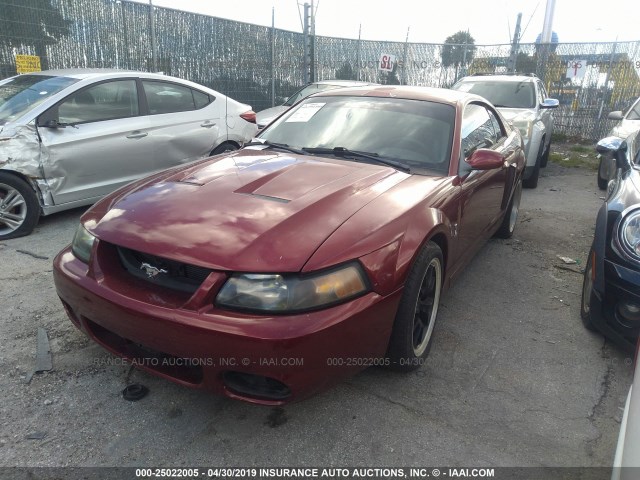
(224, 147)
(510, 220)
(19, 207)
(585, 301)
(602, 182)
(415, 320)
(532, 181)
(545, 157)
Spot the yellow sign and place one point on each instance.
(27, 63)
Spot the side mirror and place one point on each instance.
(550, 103)
(484, 159)
(50, 124)
(616, 115)
(609, 145)
(616, 147)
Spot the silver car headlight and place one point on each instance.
(82, 244)
(292, 293)
(524, 122)
(629, 234)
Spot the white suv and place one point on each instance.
(522, 100)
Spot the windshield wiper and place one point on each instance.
(280, 146)
(345, 152)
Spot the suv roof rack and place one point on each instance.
(481, 74)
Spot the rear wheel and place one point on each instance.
(511, 215)
(416, 317)
(587, 288)
(19, 207)
(545, 157)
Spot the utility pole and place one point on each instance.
(547, 28)
(464, 57)
(545, 40)
(515, 45)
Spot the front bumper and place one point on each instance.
(620, 284)
(198, 345)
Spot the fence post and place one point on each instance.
(273, 56)
(358, 61)
(152, 28)
(403, 80)
(306, 66)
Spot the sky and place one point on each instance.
(428, 21)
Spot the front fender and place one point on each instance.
(533, 146)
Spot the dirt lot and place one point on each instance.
(513, 378)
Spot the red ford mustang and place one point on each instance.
(321, 248)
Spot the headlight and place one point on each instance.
(524, 122)
(629, 234)
(290, 293)
(82, 244)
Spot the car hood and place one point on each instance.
(252, 211)
(264, 117)
(511, 113)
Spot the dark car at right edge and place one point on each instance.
(611, 289)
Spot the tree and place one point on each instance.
(32, 22)
(458, 50)
(345, 72)
(525, 63)
(390, 78)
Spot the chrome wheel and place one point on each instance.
(13, 209)
(515, 208)
(426, 308)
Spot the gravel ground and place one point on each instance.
(513, 378)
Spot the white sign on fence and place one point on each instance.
(576, 68)
(386, 62)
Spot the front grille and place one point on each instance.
(187, 370)
(161, 271)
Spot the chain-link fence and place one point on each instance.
(262, 66)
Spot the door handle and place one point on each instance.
(137, 134)
(208, 124)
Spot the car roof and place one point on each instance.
(440, 95)
(499, 78)
(85, 73)
(344, 83)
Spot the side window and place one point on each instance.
(201, 99)
(480, 129)
(165, 97)
(496, 125)
(542, 92)
(105, 101)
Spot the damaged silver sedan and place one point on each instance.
(69, 137)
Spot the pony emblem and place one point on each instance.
(152, 271)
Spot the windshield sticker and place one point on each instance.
(305, 112)
(464, 87)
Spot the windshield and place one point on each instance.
(413, 132)
(23, 93)
(308, 90)
(634, 112)
(502, 93)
